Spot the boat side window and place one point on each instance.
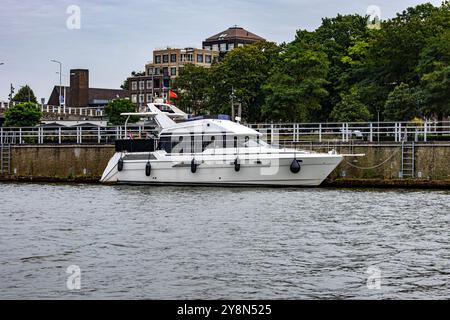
(209, 143)
(246, 143)
(165, 143)
(235, 142)
(181, 144)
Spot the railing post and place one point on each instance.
(320, 132)
(20, 135)
(343, 132)
(395, 131)
(81, 135)
(59, 135)
(1, 135)
(371, 132)
(425, 131)
(271, 134)
(99, 138)
(399, 131)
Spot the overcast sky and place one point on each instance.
(117, 37)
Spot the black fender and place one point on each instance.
(148, 169)
(295, 166)
(193, 166)
(120, 165)
(237, 165)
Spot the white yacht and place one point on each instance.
(212, 152)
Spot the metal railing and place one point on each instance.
(279, 134)
(345, 132)
(61, 110)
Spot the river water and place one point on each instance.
(218, 243)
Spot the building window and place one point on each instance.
(166, 58)
(134, 85)
(200, 58)
(240, 45)
(207, 58)
(141, 85)
(223, 47)
(149, 71)
(207, 48)
(149, 98)
(149, 84)
(141, 98)
(173, 57)
(166, 71)
(157, 71)
(215, 47)
(158, 59)
(133, 98)
(230, 46)
(173, 71)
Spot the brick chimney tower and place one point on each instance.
(79, 88)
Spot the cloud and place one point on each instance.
(118, 36)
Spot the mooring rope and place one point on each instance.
(373, 167)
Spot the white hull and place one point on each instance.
(273, 170)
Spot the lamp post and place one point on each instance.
(60, 80)
(378, 122)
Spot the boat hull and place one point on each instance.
(261, 172)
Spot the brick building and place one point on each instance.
(80, 95)
(167, 64)
(229, 39)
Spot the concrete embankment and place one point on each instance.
(380, 167)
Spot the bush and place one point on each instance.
(116, 107)
(25, 114)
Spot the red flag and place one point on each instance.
(173, 94)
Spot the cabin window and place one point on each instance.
(235, 142)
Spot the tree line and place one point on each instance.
(342, 71)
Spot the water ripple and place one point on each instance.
(213, 243)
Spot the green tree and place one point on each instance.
(25, 94)
(116, 107)
(337, 35)
(296, 85)
(242, 72)
(350, 109)
(402, 104)
(436, 92)
(392, 53)
(192, 86)
(25, 114)
(434, 70)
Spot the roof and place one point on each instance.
(210, 127)
(235, 33)
(106, 94)
(96, 95)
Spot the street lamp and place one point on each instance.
(378, 122)
(60, 80)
